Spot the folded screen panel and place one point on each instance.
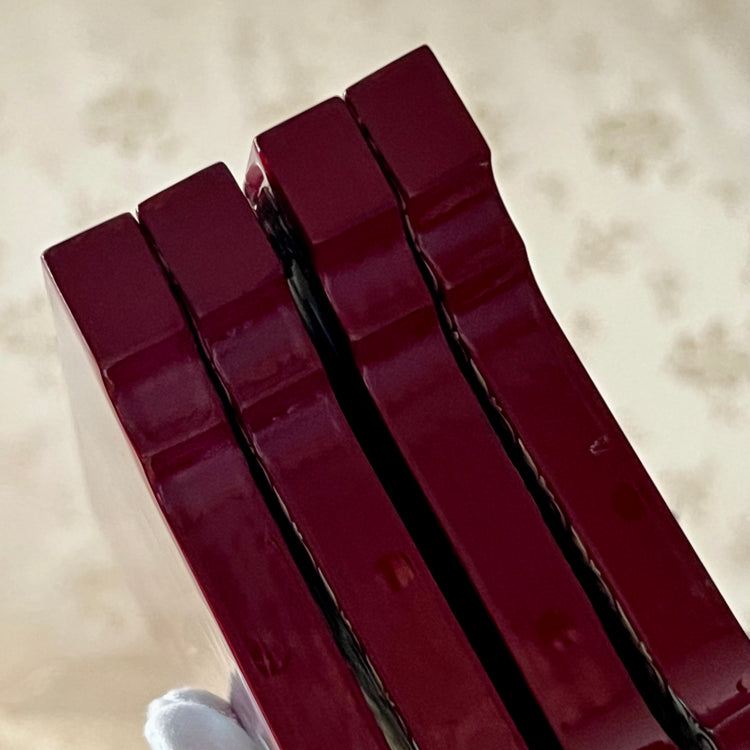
(346, 228)
(220, 260)
(439, 163)
(153, 426)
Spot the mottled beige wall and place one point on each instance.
(621, 138)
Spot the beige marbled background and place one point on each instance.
(621, 137)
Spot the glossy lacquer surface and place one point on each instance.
(211, 244)
(130, 326)
(348, 220)
(441, 166)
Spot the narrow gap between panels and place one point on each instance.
(397, 479)
(368, 681)
(667, 709)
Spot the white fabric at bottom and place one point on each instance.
(189, 719)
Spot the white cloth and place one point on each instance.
(189, 719)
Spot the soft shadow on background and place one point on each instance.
(621, 141)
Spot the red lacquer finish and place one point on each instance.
(440, 164)
(212, 246)
(155, 384)
(349, 223)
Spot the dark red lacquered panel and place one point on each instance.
(349, 223)
(440, 164)
(212, 246)
(155, 380)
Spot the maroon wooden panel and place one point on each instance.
(213, 248)
(349, 223)
(440, 164)
(132, 335)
